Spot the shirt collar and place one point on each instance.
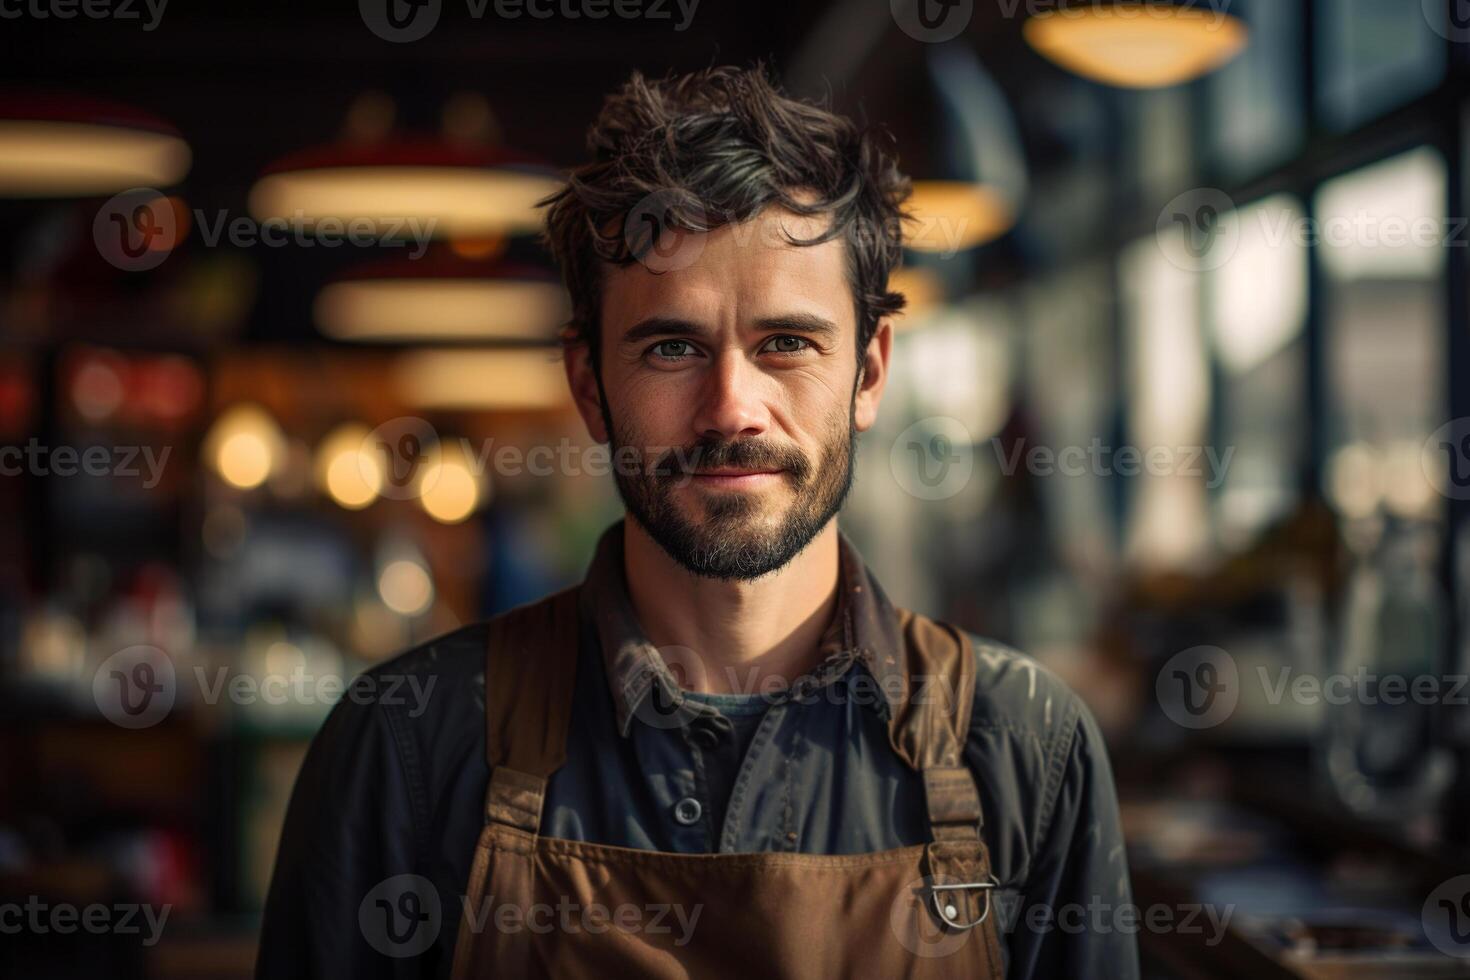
(864, 629)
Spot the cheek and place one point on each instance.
(648, 413)
(815, 404)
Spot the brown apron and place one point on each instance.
(545, 907)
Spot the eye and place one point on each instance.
(787, 344)
(672, 350)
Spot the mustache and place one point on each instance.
(684, 461)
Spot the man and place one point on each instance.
(726, 753)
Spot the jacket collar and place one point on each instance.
(864, 629)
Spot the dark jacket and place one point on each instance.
(394, 784)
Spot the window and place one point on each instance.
(1373, 56)
(1255, 102)
(1382, 231)
(1257, 309)
(1167, 387)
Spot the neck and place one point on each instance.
(742, 632)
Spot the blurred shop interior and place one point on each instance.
(1108, 252)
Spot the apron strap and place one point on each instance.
(931, 722)
(929, 730)
(530, 673)
(953, 802)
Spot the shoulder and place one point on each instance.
(456, 658)
(1014, 691)
(432, 693)
(435, 691)
(1030, 738)
(399, 715)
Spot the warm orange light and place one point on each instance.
(493, 379)
(404, 201)
(43, 158)
(392, 310)
(489, 247)
(244, 446)
(949, 216)
(405, 587)
(923, 291)
(449, 489)
(346, 469)
(1137, 45)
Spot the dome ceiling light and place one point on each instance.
(443, 299)
(463, 184)
(1132, 44)
(52, 146)
(975, 173)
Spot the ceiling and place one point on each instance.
(246, 84)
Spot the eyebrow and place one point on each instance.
(663, 326)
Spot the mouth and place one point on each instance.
(736, 478)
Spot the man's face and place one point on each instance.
(734, 381)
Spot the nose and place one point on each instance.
(731, 402)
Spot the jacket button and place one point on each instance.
(687, 811)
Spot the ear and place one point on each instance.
(873, 377)
(577, 359)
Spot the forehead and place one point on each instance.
(736, 272)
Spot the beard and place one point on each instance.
(736, 538)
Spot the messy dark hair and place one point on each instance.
(716, 147)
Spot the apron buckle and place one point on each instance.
(948, 912)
